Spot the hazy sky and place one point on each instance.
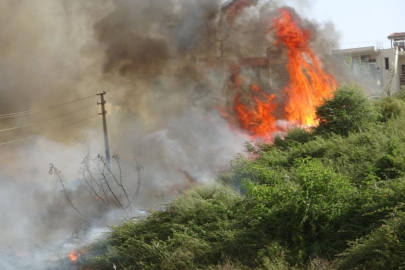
(360, 22)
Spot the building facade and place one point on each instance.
(384, 67)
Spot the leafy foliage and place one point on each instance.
(327, 198)
(390, 108)
(384, 248)
(196, 230)
(348, 111)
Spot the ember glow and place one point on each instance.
(74, 256)
(309, 84)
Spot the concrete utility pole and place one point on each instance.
(103, 113)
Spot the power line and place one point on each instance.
(49, 131)
(45, 120)
(10, 115)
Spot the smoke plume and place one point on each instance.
(166, 78)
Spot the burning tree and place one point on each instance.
(309, 85)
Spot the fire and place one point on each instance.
(309, 85)
(254, 111)
(74, 256)
(257, 118)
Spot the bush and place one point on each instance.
(390, 108)
(293, 137)
(302, 211)
(205, 227)
(302, 200)
(348, 111)
(400, 94)
(382, 249)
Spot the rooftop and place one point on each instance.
(397, 35)
(369, 49)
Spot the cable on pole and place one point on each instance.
(48, 119)
(49, 131)
(10, 115)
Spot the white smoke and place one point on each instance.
(165, 117)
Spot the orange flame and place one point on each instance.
(258, 118)
(74, 256)
(309, 85)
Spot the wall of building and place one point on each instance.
(381, 76)
(372, 79)
(379, 67)
(401, 62)
(392, 56)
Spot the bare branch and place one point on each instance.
(100, 158)
(120, 184)
(138, 168)
(93, 191)
(54, 171)
(100, 185)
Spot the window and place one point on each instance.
(372, 60)
(387, 63)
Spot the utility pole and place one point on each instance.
(103, 113)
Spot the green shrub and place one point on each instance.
(390, 108)
(348, 111)
(384, 248)
(400, 94)
(392, 164)
(293, 137)
(301, 212)
(324, 193)
(205, 227)
(302, 198)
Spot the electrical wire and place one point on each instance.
(47, 119)
(10, 115)
(29, 137)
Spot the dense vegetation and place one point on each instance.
(328, 198)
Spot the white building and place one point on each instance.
(384, 67)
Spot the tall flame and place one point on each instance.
(309, 85)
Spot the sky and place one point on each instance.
(360, 22)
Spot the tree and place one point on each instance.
(348, 111)
(104, 186)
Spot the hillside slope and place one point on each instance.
(328, 198)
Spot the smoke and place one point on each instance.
(153, 59)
